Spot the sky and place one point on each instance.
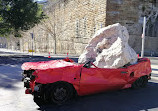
(40, 1)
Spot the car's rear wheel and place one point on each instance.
(145, 81)
(140, 82)
(60, 93)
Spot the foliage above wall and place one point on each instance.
(19, 15)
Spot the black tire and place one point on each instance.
(140, 82)
(38, 97)
(38, 101)
(145, 81)
(60, 93)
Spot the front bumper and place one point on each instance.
(29, 84)
(29, 81)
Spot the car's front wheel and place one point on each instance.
(60, 93)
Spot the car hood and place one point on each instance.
(46, 64)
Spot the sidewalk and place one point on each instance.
(154, 66)
(36, 54)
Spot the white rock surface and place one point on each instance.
(109, 48)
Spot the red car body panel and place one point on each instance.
(70, 74)
(46, 64)
(95, 80)
(91, 80)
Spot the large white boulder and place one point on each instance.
(109, 48)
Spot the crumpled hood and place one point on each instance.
(45, 64)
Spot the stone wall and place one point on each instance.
(70, 25)
(151, 45)
(3, 42)
(10, 42)
(130, 13)
(72, 22)
(124, 12)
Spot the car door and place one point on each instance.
(94, 80)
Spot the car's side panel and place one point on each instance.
(70, 74)
(94, 80)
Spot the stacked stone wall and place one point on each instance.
(151, 45)
(70, 25)
(125, 12)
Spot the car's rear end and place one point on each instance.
(140, 73)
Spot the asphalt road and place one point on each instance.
(13, 97)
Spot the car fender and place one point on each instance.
(70, 74)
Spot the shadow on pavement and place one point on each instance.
(123, 100)
(9, 74)
(154, 69)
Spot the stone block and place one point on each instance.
(109, 48)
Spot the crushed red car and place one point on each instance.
(59, 80)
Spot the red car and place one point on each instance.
(60, 80)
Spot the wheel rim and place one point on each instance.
(60, 94)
